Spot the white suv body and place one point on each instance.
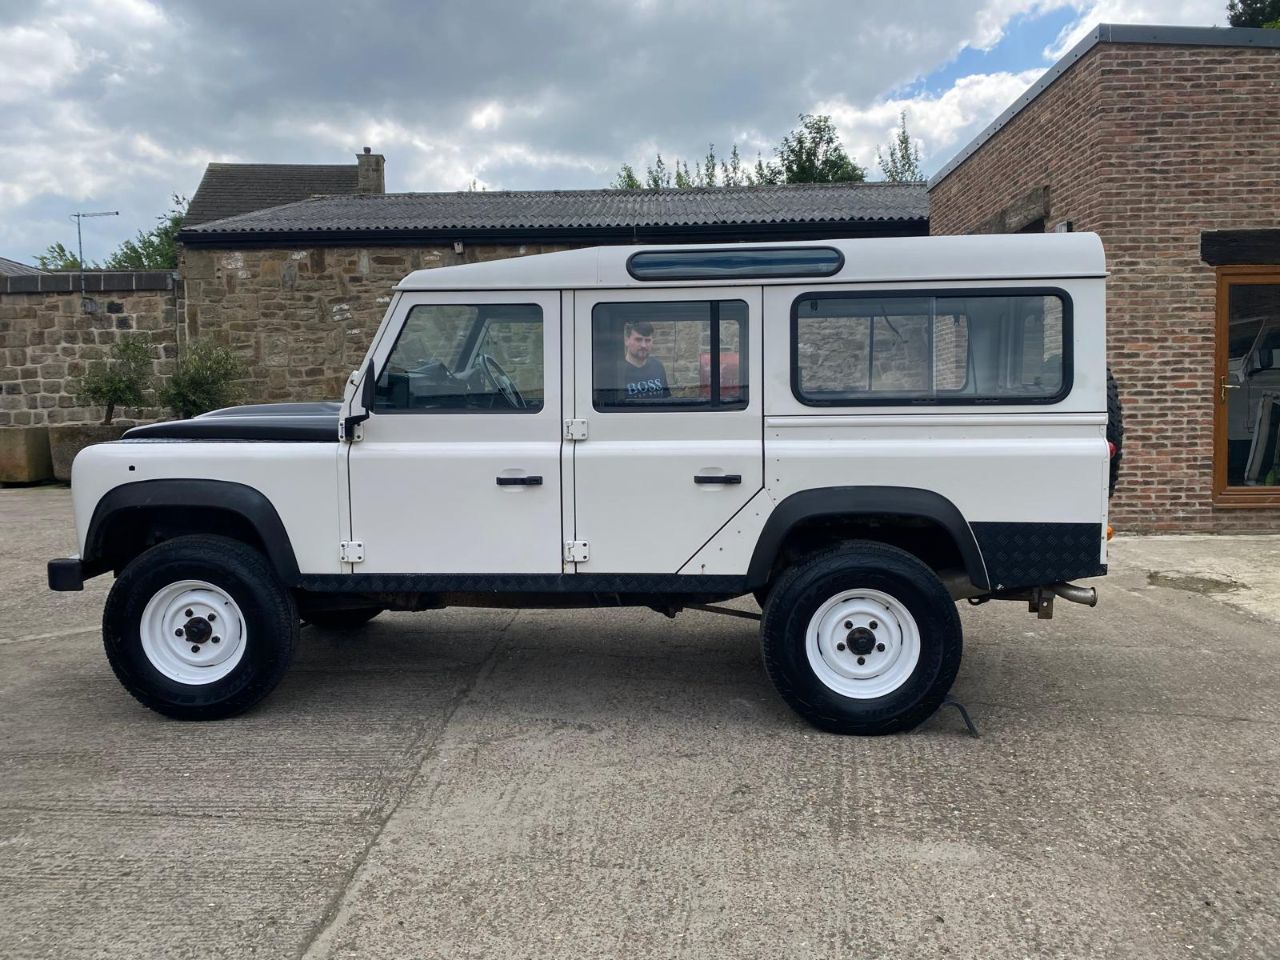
(510, 440)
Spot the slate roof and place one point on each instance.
(12, 268)
(231, 189)
(564, 214)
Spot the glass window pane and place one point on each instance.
(739, 264)
(455, 358)
(648, 356)
(1253, 369)
(882, 348)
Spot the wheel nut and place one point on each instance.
(178, 632)
(219, 640)
(848, 624)
(879, 646)
(188, 613)
(874, 625)
(212, 617)
(861, 661)
(839, 646)
(195, 649)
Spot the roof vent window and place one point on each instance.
(757, 263)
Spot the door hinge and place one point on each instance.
(575, 429)
(575, 551)
(352, 430)
(351, 551)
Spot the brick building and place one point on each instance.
(1166, 142)
(299, 289)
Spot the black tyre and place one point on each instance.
(1115, 429)
(862, 639)
(340, 619)
(199, 628)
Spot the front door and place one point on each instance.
(458, 470)
(674, 444)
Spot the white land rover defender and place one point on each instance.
(859, 433)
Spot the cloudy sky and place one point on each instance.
(116, 104)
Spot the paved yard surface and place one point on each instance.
(543, 784)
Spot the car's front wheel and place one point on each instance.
(862, 639)
(199, 628)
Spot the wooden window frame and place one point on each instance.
(1223, 495)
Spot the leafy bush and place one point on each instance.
(122, 381)
(203, 380)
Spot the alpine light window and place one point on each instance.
(735, 264)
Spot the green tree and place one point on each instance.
(57, 257)
(626, 179)
(154, 249)
(1254, 13)
(157, 248)
(203, 380)
(903, 163)
(813, 153)
(123, 381)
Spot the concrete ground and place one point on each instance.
(477, 783)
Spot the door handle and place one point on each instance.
(721, 478)
(534, 481)
(1223, 387)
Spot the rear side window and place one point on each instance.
(649, 356)
(945, 347)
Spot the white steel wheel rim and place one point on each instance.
(178, 630)
(837, 639)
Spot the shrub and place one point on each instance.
(122, 381)
(203, 380)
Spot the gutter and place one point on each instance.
(624, 234)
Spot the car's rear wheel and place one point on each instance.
(199, 628)
(862, 639)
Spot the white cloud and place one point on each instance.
(940, 124)
(116, 104)
(34, 62)
(1169, 13)
(487, 117)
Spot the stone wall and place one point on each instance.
(48, 338)
(302, 319)
(1148, 146)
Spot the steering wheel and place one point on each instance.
(504, 384)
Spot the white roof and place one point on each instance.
(1019, 256)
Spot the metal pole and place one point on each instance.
(80, 244)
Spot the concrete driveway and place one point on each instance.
(604, 784)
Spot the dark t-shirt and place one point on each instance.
(648, 382)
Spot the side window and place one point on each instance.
(852, 348)
(459, 357)
(669, 356)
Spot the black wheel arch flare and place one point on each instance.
(191, 494)
(835, 502)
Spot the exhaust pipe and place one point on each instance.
(1069, 591)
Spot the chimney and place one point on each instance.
(370, 175)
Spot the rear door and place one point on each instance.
(674, 444)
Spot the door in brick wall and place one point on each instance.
(1247, 421)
